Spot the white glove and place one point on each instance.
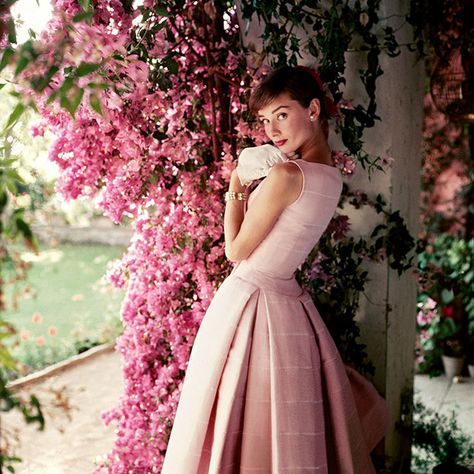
(256, 162)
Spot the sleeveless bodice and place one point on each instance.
(301, 224)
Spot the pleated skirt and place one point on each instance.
(266, 390)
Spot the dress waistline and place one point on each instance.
(285, 286)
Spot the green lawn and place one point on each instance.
(68, 302)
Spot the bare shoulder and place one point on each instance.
(286, 170)
(286, 180)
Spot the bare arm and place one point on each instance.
(245, 230)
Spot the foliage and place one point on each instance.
(31, 411)
(444, 320)
(36, 356)
(434, 330)
(149, 107)
(328, 33)
(436, 439)
(447, 269)
(13, 226)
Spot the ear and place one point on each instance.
(314, 108)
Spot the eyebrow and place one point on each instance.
(278, 108)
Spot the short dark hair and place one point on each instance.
(300, 82)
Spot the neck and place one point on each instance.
(316, 149)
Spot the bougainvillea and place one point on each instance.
(143, 127)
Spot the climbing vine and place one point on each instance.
(327, 34)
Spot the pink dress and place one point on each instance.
(266, 390)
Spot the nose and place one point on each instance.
(273, 129)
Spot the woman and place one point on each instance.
(266, 390)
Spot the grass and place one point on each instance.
(66, 305)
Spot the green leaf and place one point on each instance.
(2, 86)
(15, 115)
(24, 228)
(3, 199)
(6, 359)
(65, 103)
(41, 82)
(13, 175)
(52, 97)
(68, 99)
(86, 4)
(86, 68)
(99, 85)
(161, 11)
(7, 54)
(172, 66)
(33, 105)
(21, 64)
(469, 276)
(11, 187)
(66, 85)
(5, 163)
(75, 101)
(83, 16)
(447, 296)
(11, 31)
(95, 103)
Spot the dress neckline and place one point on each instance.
(316, 163)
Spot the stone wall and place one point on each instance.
(101, 231)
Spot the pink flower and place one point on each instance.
(40, 341)
(339, 226)
(345, 104)
(386, 160)
(37, 131)
(37, 318)
(344, 162)
(25, 335)
(52, 331)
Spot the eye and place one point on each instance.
(262, 121)
(283, 114)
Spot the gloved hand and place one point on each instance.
(256, 162)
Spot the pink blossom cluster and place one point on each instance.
(427, 315)
(427, 312)
(5, 18)
(339, 226)
(171, 186)
(346, 163)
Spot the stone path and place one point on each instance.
(71, 446)
(446, 396)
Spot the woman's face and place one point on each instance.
(287, 124)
